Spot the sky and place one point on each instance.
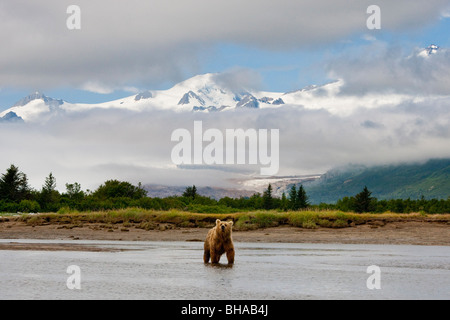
(125, 47)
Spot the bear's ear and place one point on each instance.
(217, 222)
(230, 223)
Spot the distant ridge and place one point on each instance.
(161, 191)
(430, 180)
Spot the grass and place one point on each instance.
(151, 219)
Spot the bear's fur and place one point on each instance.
(219, 241)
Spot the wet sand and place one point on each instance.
(411, 232)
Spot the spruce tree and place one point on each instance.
(49, 195)
(302, 198)
(50, 183)
(14, 185)
(293, 198)
(284, 203)
(190, 192)
(267, 198)
(363, 201)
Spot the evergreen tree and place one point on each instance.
(50, 183)
(363, 201)
(284, 202)
(49, 196)
(267, 198)
(194, 191)
(293, 198)
(190, 192)
(14, 185)
(302, 198)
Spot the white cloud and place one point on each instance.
(96, 87)
(237, 79)
(135, 146)
(446, 13)
(153, 42)
(369, 37)
(379, 67)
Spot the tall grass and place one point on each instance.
(242, 220)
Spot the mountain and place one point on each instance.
(430, 179)
(279, 184)
(160, 191)
(53, 103)
(10, 117)
(428, 51)
(205, 93)
(213, 92)
(33, 108)
(244, 188)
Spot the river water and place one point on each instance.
(175, 270)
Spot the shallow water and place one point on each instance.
(175, 270)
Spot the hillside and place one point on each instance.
(430, 179)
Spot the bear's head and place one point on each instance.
(224, 227)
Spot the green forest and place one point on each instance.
(17, 196)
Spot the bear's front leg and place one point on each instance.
(206, 256)
(230, 256)
(206, 252)
(214, 257)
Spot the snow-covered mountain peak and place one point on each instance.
(197, 82)
(207, 93)
(431, 49)
(10, 117)
(428, 51)
(32, 108)
(37, 96)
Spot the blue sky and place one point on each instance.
(279, 67)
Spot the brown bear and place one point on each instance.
(219, 241)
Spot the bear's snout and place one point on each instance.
(223, 228)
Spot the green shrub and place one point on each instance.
(28, 206)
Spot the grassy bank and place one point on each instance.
(161, 220)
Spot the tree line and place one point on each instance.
(17, 196)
